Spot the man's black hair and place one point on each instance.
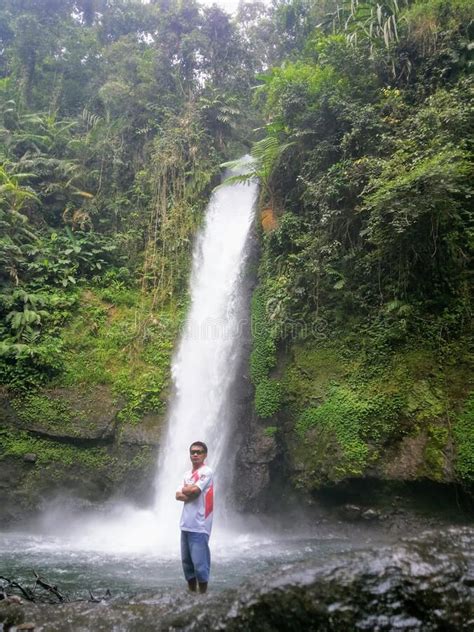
(200, 444)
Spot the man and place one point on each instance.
(197, 494)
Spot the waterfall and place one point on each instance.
(207, 358)
(203, 372)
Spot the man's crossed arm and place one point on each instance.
(187, 493)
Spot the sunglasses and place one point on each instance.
(196, 452)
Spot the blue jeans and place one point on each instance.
(195, 556)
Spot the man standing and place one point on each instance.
(197, 494)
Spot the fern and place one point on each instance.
(263, 158)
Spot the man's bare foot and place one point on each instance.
(192, 585)
(202, 587)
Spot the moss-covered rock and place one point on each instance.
(85, 473)
(348, 414)
(126, 345)
(87, 413)
(95, 431)
(267, 398)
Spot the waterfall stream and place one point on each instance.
(207, 358)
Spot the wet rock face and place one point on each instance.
(421, 585)
(70, 443)
(253, 471)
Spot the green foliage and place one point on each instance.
(432, 23)
(270, 431)
(311, 373)
(26, 366)
(268, 392)
(31, 351)
(374, 190)
(301, 85)
(182, 167)
(463, 432)
(66, 258)
(262, 358)
(267, 398)
(351, 406)
(113, 121)
(371, 24)
(399, 212)
(264, 155)
(337, 424)
(353, 422)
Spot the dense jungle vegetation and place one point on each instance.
(115, 118)
(364, 297)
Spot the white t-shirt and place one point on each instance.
(197, 513)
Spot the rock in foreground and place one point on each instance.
(421, 584)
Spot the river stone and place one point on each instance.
(30, 457)
(416, 585)
(371, 514)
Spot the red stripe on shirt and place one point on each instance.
(209, 501)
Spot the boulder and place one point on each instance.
(371, 515)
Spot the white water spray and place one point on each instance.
(207, 359)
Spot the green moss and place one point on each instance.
(267, 398)
(42, 410)
(463, 432)
(356, 423)
(310, 374)
(51, 452)
(125, 344)
(145, 458)
(349, 408)
(118, 295)
(270, 431)
(268, 392)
